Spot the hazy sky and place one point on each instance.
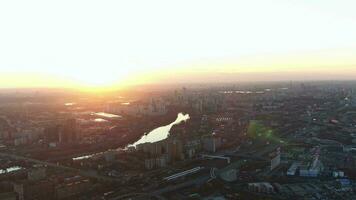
(66, 43)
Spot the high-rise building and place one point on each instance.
(38, 190)
(68, 132)
(37, 173)
(275, 158)
(175, 150)
(51, 133)
(211, 143)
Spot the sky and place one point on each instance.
(72, 43)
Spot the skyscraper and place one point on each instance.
(68, 132)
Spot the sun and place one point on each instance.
(100, 79)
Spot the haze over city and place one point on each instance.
(118, 43)
(178, 100)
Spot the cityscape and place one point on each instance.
(178, 100)
(254, 141)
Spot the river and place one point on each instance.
(162, 132)
(108, 115)
(10, 169)
(155, 135)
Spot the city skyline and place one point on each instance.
(172, 100)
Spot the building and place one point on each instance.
(229, 175)
(72, 186)
(211, 143)
(36, 174)
(8, 196)
(150, 163)
(61, 132)
(110, 156)
(34, 190)
(171, 149)
(275, 158)
(261, 187)
(175, 150)
(68, 132)
(161, 161)
(51, 133)
(153, 107)
(293, 169)
(158, 162)
(311, 169)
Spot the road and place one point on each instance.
(137, 195)
(60, 167)
(204, 178)
(157, 194)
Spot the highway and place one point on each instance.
(157, 194)
(60, 167)
(137, 195)
(204, 178)
(197, 181)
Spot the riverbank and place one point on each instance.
(138, 127)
